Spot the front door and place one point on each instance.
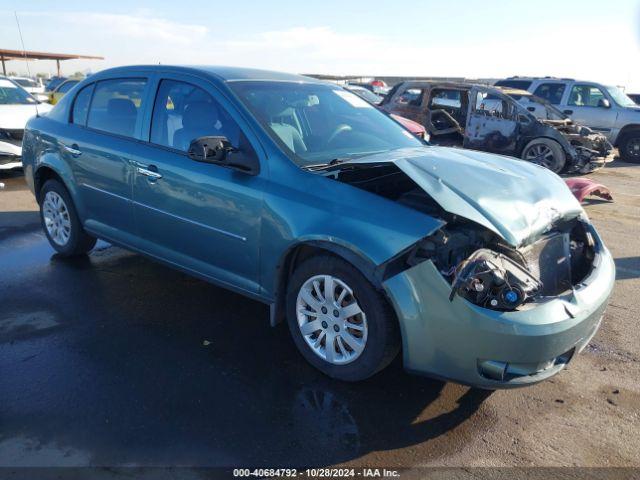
(586, 105)
(492, 124)
(203, 217)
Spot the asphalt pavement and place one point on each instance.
(115, 360)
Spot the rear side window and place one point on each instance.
(117, 105)
(519, 84)
(183, 112)
(411, 96)
(551, 92)
(441, 97)
(81, 105)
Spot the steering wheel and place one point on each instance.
(455, 126)
(339, 130)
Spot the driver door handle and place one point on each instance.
(73, 149)
(150, 171)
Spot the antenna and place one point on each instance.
(24, 50)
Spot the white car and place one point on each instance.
(16, 107)
(32, 86)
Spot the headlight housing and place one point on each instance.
(492, 280)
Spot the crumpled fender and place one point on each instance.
(583, 187)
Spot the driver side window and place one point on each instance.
(183, 112)
(586, 96)
(493, 106)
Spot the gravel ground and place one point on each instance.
(115, 360)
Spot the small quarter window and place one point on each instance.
(81, 105)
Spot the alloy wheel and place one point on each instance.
(56, 218)
(542, 155)
(330, 319)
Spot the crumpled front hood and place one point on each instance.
(516, 199)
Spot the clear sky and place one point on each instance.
(588, 39)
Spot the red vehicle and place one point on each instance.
(414, 127)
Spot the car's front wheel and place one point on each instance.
(339, 321)
(60, 221)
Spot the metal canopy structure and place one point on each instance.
(7, 55)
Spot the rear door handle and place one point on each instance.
(568, 112)
(73, 149)
(150, 171)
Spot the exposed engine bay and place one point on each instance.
(489, 273)
(590, 146)
(480, 266)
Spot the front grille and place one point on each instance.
(549, 260)
(13, 136)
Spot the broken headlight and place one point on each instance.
(493, 280)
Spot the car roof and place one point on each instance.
(220, 73)
(436, 84)
(550, 79)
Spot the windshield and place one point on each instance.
(25, 82)
(318, 123)
(12, 94)
(620, 97)
(368, 95)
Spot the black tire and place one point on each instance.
(79, 242)
(383, 336)
(629, 147)
(555, 163)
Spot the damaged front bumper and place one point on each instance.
(10, 156)
(592, 151)
(457, 340)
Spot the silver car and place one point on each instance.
(606, 109)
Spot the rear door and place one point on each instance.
(492, 124)
(204, 217)
(106, 121)
(585, 104)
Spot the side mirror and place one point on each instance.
(604, 103)
(219, 151)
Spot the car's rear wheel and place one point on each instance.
(629, 147)
(339, 321)
(546, 153)
(60, 221)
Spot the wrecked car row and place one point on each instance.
(16, 107)
(505, 121)
(368, 241)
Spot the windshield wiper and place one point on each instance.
(339, 160)
(332, 163)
